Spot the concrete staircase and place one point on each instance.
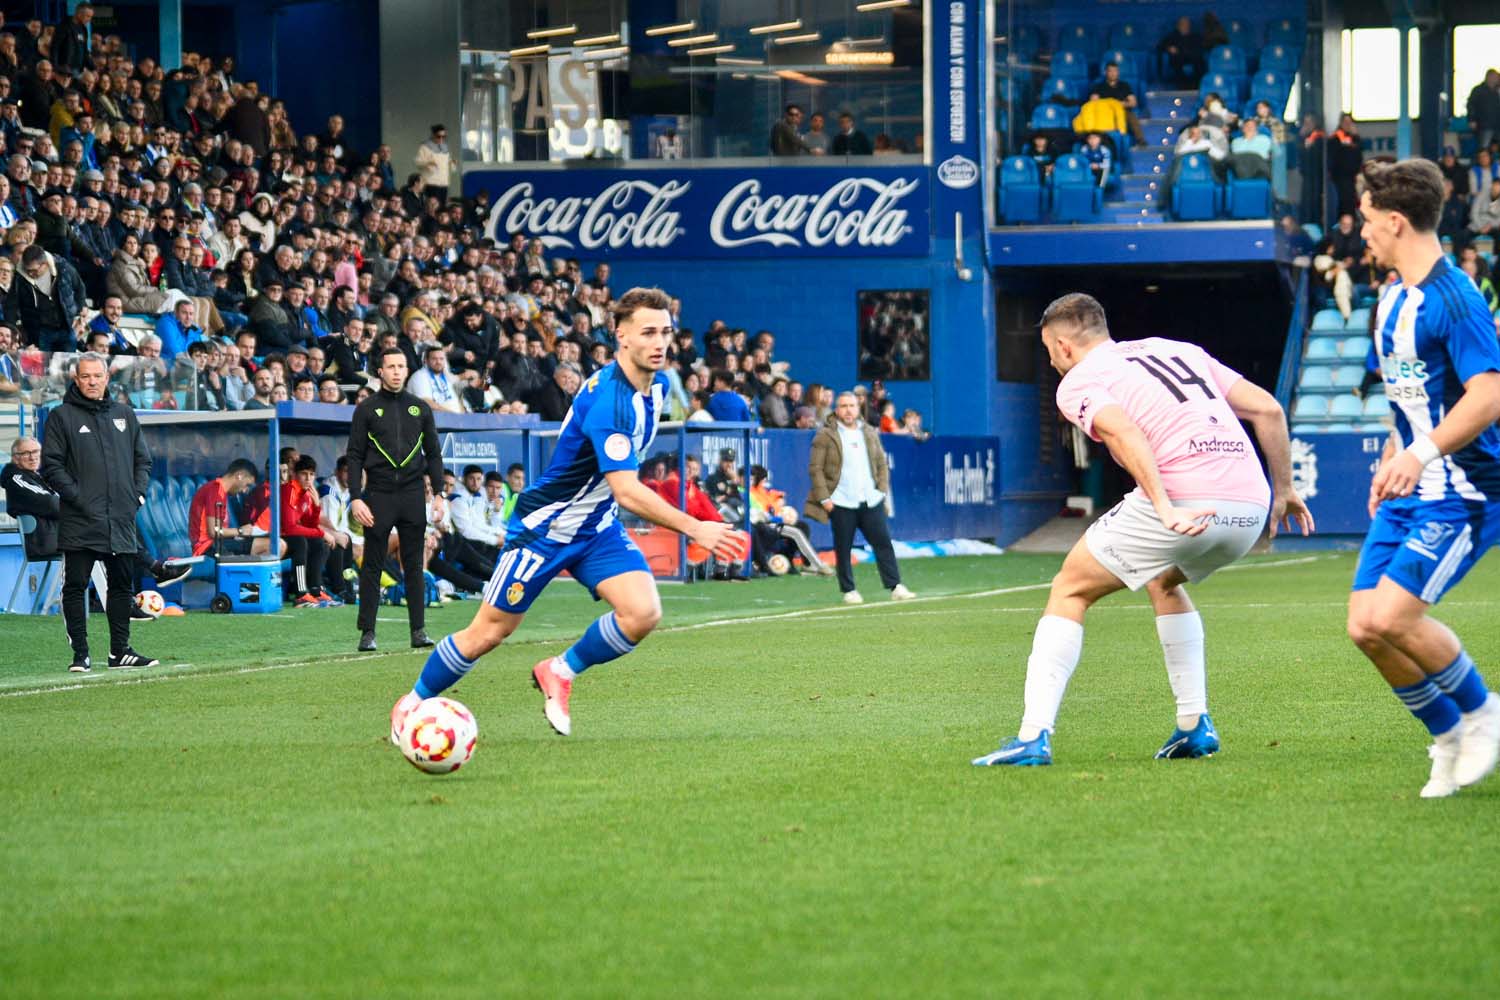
(1136, 200)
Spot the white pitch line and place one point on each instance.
(830, 612)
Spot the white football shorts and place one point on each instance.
(1131, 542)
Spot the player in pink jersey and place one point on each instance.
(1170, 415)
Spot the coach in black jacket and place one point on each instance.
(393, 447)
(95, 458)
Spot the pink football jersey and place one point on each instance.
(1176, 393)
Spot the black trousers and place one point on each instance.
(405, 511)
(475, 558)
(340, 558)
(308, 555)
(119, 572)
(872, 524)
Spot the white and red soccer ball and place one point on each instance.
(151, 602)
(439, 736)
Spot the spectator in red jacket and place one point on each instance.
(302, 528)
(698, 504)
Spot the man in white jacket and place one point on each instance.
(435, 163)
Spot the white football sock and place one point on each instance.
(1054, 654)
(561, 668)
(1182, 647)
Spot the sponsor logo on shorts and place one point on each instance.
(1217, 446)
(514, 593)
(1123, 563)
(617, 447)
(1236, 521)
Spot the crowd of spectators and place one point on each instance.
(272, 265)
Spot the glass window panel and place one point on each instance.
(1370, 87)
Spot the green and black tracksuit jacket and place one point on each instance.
(393, 443)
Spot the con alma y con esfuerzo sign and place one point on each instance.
(712, 212)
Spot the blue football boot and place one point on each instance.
(1016, 752)
(1203, 741)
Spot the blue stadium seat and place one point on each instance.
(1376, 406)
(1346, 406)
(1013, 90)
(1277, 58)
(1248, 198)
(1316, 378)
(1359, 319)
(1241, 34)
(1195, 195)
(1020, 191)
(1064, 90)
(1078, 38)
(1070, 64)
(1050, 116)
(1322, 349)
(1228, 60)
(1356, 348)
(1328, 319)
(1230, 88)
(1310, 408)
(1027, 41)
(1284, 31)
(1129, 35)
(1271, 86)
(1075, 195)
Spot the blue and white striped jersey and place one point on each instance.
(609, 427)
(1430, 339)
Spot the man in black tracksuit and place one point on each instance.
(393, 444)
(95, 458)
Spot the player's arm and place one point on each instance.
(1476, 409)
(1259, 409)
(1128, 444)
(642, 501)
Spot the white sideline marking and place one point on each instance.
(825, 612)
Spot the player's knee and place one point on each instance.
(638, 622)
(1367, 627)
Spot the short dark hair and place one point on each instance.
(640, 298)
(1078, 310)
(492, 477)
(1412, 187)
(471, 468)
(514, 467)
(386, 352)
(32, 254)
(721, 375)
(243, 465)
(306, 463)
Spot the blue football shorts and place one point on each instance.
(525, 569)
(1426, 546)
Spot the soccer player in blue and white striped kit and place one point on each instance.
(1435, 498)
(568, 520)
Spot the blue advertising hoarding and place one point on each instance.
(712, 212)
(1332, 472)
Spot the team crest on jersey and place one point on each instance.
(120, 424)
(379, 412)
(514, 593)
(1434, 533)
(593, 382)
(414, 410)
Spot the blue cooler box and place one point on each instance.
(251, 583)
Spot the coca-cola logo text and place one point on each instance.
(647, 214)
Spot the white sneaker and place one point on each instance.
(1478, 743)
(900, 593)
(1440, 783)
(852, 597)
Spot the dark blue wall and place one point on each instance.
(808, 305)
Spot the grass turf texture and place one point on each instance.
(779, 807)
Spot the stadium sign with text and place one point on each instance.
(720, 213)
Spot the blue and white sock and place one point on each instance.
(604, 641)
(445, 667)
(1435, 710)
(1461, 681)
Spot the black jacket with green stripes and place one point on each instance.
(393, 443)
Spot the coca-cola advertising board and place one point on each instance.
(712, 212)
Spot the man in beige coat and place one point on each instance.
(434, 163)
(850, 481)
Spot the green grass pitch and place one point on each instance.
(771, 798)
